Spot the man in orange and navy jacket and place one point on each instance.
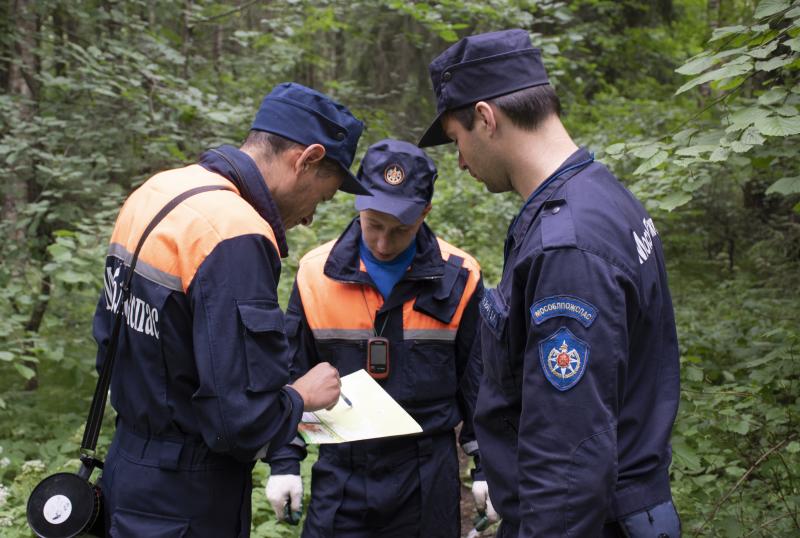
(388, 281)
(200, 379)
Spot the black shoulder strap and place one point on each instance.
(93, 422)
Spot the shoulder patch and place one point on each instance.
(564, 358)
(564, 306)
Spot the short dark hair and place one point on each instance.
(272, 145)
(526, 108)
(268, 143)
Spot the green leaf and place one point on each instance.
(652, 162)
(71, 277)
(645, 152)
(684, 136)
(2, 403)
(793, 447)
(763, 51)
(793, 13)
(670, 202)
(787, 110)
(718, 155)
(6, 356)
(740, 427)
(695, 151)
(735, 470)
(752, 137)
(768, 8)
(615, 149)
(719, 33)
(785, 185)
(24, 371)
(59, 252)
(794, 43)
(728, 71)
(775, 63)
(693, 373)
(778, 126)
(772, 96)
(696, 65)
(740, 147)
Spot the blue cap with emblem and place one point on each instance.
(308, 117)
(400, 177)
(481, 67)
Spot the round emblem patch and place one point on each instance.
(394, 174)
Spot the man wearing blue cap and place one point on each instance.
(200, 379)
(390, 297)
(580, 353)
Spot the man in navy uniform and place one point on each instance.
(581, 373)
(200, 379)
(388, 287)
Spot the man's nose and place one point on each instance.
(462, 164)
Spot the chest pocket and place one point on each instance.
(266, 355)
(441, 302)
(347, 356)
(494, 311)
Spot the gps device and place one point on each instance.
(378, 357)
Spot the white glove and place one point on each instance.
(283, 488)
(480, 492)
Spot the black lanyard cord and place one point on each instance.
(95, 418)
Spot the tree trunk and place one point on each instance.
(187, 31)
(21, 184)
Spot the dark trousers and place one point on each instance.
(170, 488)
(401, 487)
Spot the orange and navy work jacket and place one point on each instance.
(202, 353)
(430, 320)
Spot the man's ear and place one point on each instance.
(313, 154)
(485, 117)
(426, 210)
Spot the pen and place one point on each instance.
(346, 399)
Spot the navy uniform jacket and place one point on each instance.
(581, 371)
(202, 363)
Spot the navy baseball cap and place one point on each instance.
(308, 117)
(399, 177)
(481, 67)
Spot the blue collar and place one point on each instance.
(386, 274)
(343, 261)
(239, 169)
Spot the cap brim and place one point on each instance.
(406, 211)
(435, 135)
(352, 185)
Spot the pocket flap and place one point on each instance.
(261, 316)
(494, 311)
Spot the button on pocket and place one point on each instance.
(265, 345)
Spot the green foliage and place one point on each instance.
(694, 104)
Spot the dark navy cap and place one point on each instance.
(481, 67)
(308, 117)
(400, 179)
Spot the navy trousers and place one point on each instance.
(173, 488)
(401, 487)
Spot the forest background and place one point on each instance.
(693, 103)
